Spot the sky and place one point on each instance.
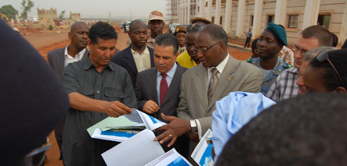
(138, 9)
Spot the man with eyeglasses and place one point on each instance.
(269, 45)
(285, 85)
(216, 76)
(189, 58)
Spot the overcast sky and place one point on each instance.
(88, 8)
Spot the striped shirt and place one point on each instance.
(285, 85)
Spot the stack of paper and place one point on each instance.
(122, 128)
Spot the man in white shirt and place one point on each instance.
(61, 57)
(137, 57)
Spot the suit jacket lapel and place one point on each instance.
(61, 60)
(129, 60)
(223, 81)
(152, 83)
(175, 83)
(200, 81)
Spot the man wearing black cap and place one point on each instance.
(270, 44)
(180, 33)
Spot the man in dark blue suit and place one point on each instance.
(158, 88)
(137, 57)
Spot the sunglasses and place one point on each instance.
(196, 26)
(322, 56)
(36, 156)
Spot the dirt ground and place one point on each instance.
(45, 41)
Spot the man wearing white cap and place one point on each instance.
(156, 25)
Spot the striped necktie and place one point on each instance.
(213, 83)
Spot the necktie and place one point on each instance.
(163, 88)
(213, 83)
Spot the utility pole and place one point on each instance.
(109, 17)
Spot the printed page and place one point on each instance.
(202, 153)
(137, 150)
(170, 158)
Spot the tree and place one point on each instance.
(61, 15)
(26, 8)
(9, 11)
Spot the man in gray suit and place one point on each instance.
(155, 94)
(61, 57)
(216, 76)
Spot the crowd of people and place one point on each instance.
(190, 81)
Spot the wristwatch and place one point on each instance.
(192, 125)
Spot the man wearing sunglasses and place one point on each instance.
(285, 85)
(189, 58)
(216, 76)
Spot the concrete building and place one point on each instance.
(47, 17)
(75, 17)
(294, 15)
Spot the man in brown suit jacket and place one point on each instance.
(219, 72)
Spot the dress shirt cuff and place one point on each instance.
(199, 128)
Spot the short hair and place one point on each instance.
(306, 130)
(322, 34)
(216, 33)
(327, 73)
(254, 44)
(314, 52)
(74, 25)
(167, 40)
(135, 21)
(103, 31)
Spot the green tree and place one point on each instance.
(61, 15)
(26, 8)
(9, 11)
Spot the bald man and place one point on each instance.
(61, 57)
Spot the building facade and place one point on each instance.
(238, 16)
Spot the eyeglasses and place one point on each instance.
(202, 50)
(297, 49)
(196, 26)
(322, 56)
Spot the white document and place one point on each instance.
(170, 158)
(137, 150)
(150, 122)
(202, 152)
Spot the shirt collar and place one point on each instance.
(87, 64)
(79, 55)
(220, 67)
(146, 51)
(171, 72)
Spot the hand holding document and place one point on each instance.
(137, 150)
(202, 153)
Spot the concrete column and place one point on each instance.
(217, 14)
(188, 12)
(209, 11)
(240, 18)
(202, 8)
(311, 13)
(281, 12)
(228, 9)
(343, 29)
(258, 12)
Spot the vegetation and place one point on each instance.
(61, 15)
(26, 6)
(9, 11)
(50, 27)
